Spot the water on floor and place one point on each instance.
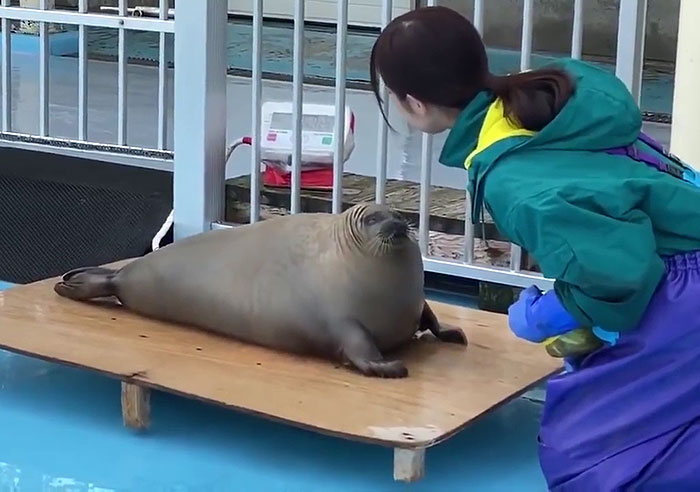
(61, 430)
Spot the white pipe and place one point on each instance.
(256, 107)
(340, 97)
(631, 29)
(121, 79)
(577, 30)
(6, 72)
(43, 74)
(162, 82)
(82, 75)
(297, 103)
(479, 16)
(383, 129)
(526, 39)
(686, 99)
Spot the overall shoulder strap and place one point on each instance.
(677, 169)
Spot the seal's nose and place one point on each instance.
(394, 227)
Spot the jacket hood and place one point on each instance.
(600, 114)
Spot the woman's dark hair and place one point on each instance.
(437, 56)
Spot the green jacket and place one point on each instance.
(597, 223)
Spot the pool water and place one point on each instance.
(61, 430)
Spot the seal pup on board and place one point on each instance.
(345, 287)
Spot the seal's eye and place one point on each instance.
(371, 219)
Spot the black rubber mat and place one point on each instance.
(58, 213)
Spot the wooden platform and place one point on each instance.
(448, 386)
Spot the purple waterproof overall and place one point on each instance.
(628, 417)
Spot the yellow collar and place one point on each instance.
(496, 127)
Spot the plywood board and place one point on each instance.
(448, 386)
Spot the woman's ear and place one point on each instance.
(417, 107)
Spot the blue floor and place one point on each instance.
(319, 53)
(60, 430)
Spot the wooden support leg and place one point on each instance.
(136, 406)
(409, 464)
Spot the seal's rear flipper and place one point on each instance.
(86, 283)
(359, 349)
(428, 321)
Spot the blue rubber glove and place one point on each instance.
(536, 317)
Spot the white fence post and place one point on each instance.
(631, 28)
(200, 115)
(686, 100)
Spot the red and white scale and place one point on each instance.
(277, 146)
(317, 143)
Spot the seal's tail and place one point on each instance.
(87, 283)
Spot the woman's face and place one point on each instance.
(427, 118)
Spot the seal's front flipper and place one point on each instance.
(86, 283)
(428, 321)
(359, 349)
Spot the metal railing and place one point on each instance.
(82, 19)
(631, 24)
(200, 108)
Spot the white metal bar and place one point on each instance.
(339, 128)
(479, 16)
(426, 184)
(516, 257)
(577, 31)
(92, 20)
(130, 156)
(382, 148)
(486, 274)
(162, 81)
(525, 61)
(425, 192)
(82, 75)
(526, 41)
(297, 103)
(6, 72)
(631, 29)
(200, 115)
(121, 79)
(479, 9)
(256, 103)
(383, 135)
(43, 74)
(686, 100)
(67, 143)
(468, 230)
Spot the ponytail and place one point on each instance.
(532, 99)
(436, 55)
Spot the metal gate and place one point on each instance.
(200, 108)
(123, 21)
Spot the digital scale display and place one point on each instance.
(317, 129)
(309, 122)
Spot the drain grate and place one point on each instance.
(48, 227)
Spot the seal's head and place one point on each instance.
(377, 229)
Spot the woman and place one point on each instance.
(556, 157)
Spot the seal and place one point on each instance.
(347, 287)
